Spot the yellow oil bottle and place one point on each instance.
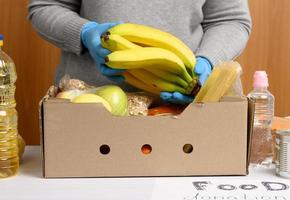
(9, 159)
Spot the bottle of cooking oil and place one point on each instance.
(9, 159)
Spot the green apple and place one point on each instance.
(92, 98)
(116, 97)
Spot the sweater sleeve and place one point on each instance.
(227, 26)
(59, 22)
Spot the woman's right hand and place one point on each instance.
(91, 39)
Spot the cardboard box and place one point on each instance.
(72, 135)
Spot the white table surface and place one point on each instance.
(30, 185)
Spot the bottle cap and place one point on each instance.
(1, 40)
(260, 79)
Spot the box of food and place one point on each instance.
(85, 140)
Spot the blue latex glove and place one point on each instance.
(203, 69)
(91, 39)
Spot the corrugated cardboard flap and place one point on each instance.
(251, 110)
(52, 91)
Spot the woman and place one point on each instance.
(215, 30)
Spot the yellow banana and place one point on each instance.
(168, 76)
(150, 36)
(116, 43)
(132, 80)
(156, 82)
(147, 57)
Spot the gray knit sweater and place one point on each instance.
(215, 29)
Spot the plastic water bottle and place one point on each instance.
(262, 145)
(9, 159)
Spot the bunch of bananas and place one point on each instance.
(156, 61)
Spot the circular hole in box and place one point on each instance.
(187, 148)
(146, 149)
(105, 149)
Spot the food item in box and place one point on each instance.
(166, 110)
(138, 103)
(69, 94)
(92, 98)
(66, 83)
(236, 90)
(111, 96)
(219, 82)
(116, 97)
